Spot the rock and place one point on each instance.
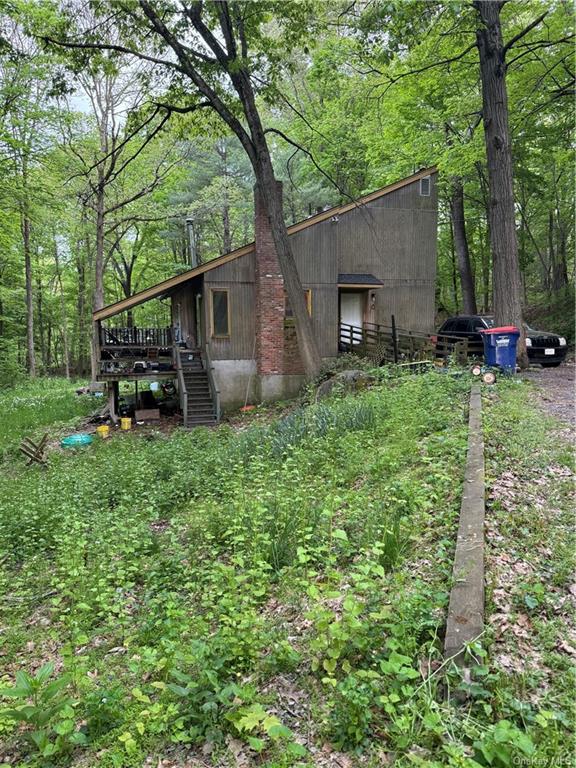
(344, 382)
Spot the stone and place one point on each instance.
(344, 382)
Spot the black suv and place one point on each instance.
(548, 349)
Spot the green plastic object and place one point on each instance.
(76, 441)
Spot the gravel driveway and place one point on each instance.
(557, 390)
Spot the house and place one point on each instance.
(232, 338)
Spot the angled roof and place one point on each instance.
(172, 282)
(353, 279)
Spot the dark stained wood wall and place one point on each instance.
(393, 238)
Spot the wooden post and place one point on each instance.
(394, 339)
(113, 401)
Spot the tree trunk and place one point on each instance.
(271, 195)
(98, 295)
(461, 246)
(226, 226)
(81, 310)
(25, 225)
(453, 269)
(63, 314)
(506, 280)
(307, 344)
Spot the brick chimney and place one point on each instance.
(270, 301)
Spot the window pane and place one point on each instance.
(220, 313)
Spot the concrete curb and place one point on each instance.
(466, 609)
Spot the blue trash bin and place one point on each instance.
(500, 347)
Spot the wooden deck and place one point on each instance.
(143, 376)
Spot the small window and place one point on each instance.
(288, 309)
(425, 186)
(220, 313)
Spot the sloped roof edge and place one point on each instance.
(172, 282)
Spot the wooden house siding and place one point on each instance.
(392, 238)
(237, 278)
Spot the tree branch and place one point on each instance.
(523, 33)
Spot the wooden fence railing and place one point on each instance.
(389, 344)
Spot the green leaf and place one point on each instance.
(256, 744)
(279, 731)
(251, 717)
(329, 665)
(45, 672)
(298, 750)
(55, 686)
(24, 682)
(64, 727)
(340, 534)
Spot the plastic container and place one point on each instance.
(103, 431)
(500, 347)
(126, 423)
(76, 441)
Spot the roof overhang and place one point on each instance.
(362, 286)
(171, 283)
(362, 280)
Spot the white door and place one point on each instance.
(352, 313)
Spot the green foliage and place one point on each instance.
(43, 705)
(188, 582)
(166, 575)
(34, 404)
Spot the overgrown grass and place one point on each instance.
(37, 403)
(530, 569)
(244, 596)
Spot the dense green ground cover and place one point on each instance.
(249, 597)
(37, 403)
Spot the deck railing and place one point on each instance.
(136, 337)
(181, 386)
(395, 345)
(212, 381)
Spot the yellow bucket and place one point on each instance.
(103, 431)
(126, 423)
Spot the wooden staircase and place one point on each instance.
(197, 401)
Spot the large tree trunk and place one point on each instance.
(507, 283)
(453, 268)
(271, 195)
(461, 246)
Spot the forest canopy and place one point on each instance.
(119, 171)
